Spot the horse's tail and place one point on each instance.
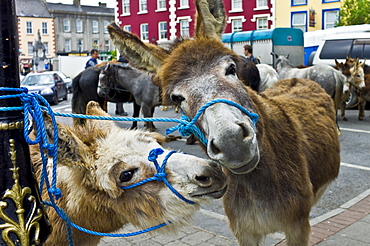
(77, 106)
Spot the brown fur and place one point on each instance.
(89, 169)
(299, 153)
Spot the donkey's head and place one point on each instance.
(100, 159)
(197, 71)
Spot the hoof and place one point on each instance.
(171, 138)
(345, 119)
(191, 140)
(122, 113)
(164, 108)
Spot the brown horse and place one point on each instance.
(277, 168)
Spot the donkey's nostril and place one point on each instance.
(245, 130)
(203, 180)
(213, 148)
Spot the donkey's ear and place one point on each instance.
(143, 56)
(70, 147)
(93, 108)
(210, 19)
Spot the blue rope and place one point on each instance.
(160, 175)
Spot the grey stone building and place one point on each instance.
(79, 28)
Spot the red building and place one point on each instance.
(163, 20)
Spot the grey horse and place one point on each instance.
(115, 79)
(329, 78)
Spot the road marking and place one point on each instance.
(355, 166)
(354, 130)
(61, 107)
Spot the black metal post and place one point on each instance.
(22, 217)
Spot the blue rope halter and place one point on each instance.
(160, 175)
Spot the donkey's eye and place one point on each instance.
(231, 70)
(177, 99)
(126, 176)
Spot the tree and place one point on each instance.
(354, 12)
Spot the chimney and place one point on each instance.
(102, 4)
(77, 3)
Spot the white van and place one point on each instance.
(341, 45)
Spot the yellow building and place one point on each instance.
(307, 15)
(36, 35)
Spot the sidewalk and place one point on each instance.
(348, 225)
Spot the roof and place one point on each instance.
(75, 9)
(31, 8)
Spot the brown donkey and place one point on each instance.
(98, 158)
(278, 169)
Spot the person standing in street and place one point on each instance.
(248, 52)
(94, 58)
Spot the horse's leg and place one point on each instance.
(148, 112)
(361, 108)
(103, 104)
(135, 114)
(343, 111)
(120, 110)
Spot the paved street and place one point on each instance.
(210, 226)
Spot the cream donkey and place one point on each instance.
(97, 159)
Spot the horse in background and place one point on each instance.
(277, 168)
(353, 69)
(330, 79)
(114, 78)
(85, 89)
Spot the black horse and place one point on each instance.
(119, 83)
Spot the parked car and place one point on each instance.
(48, 84)
(67, 79)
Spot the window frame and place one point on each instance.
(262, 18)
(79, 26)
(184, 28)
(69, 44)
(324, 12)
(299, 12)
(184, 4)
(299, 4)
(159, 8)
(233, 21)
(46, 45)
(261, 7)
(144, 34)
(127, 28)
(126, 7)
(160, 30)
(143, 7)
(29, 27)
(233, 2)
(44, 28)
(66, 25)
(29, 47)
(95, 29)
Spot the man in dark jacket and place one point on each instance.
(94, 58)
(248, 52)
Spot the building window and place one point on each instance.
(79, 26)
(162, 27)
(67, 45)
(236, 5)
(299, 20)
(330, 1)
(299, 2)
(66, 26)
(184, 28)
(330, 18)
(125, 7)
(127, 28)
(44, 28)
(144, 32)
(262, 23)
(30, 48)
(46, 45)
(236, 25)
(106, 23)
(80, 45)
(106, 45)
(95, 26)
(161, 5)
(143, 8)
(29, 27)
(184, 3)
(261, 4)
(95, 43)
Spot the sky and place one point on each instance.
(110, 3)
